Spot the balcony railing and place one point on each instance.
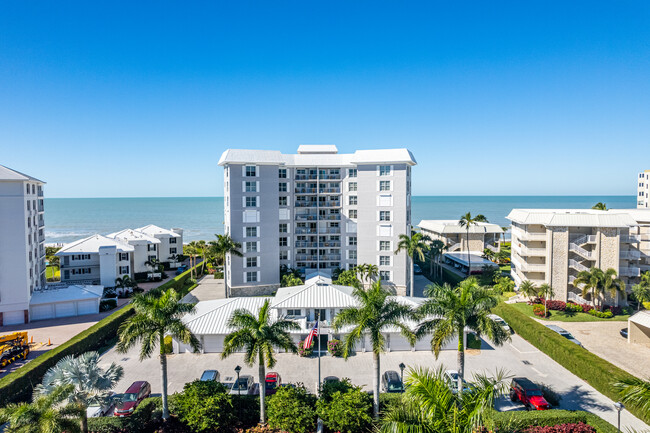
(304, 244)
(331, 217)
(306, 217)
(306, 204)
(630, 255)
(330, 244)
(631, 271)
(333, 230)
(528, 236)
(302, 231)
(329, 191)
(306, 177)
(307, 257)
(305, 190)
(331, 203)
(330, 257)
(330, 176)
(631, 239)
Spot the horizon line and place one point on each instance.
(440, 195)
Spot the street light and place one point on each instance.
(237, 370)
(401, 368)
(619, 407)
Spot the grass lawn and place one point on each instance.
(53, 272)
(562, 316)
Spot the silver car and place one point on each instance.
(564, 333)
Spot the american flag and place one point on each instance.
(310, 337)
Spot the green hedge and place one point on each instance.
(523, 419)
(596, 371)
(18, 385)
(149, 410)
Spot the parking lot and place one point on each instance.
(517, 358)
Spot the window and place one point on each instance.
(294, 312)
(251, 277)
(124, 270)
(384, 275)
(384, 215)
(27, 188)
(251, 232)
(251, 216)
(385, 230)
(352, 213)
(251, 171)
(352, 254)
(152, 258)
(251, 247)
(384, 200)
(30, 256)
(352, 200)
(352, 172)
(172, 250)
(251, 262)
(250, 186)
(151, 247)
(384, 170)
(284, 228)
(251, 201)
(283, 241)
(33, 189)
(384, 260)
(282, 187)
(124, 256)
(284, 255)
(29, 205)
(352, 186)
(384, 185)
(282, 201)
(352, 240)
(282, 173)
(384, 246)
(172, 240)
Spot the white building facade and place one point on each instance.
(316, 210)
(643, 190)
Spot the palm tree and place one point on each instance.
(375, 313)
(91, 383)
(641, 293)
(547, 292)
(226, 246)
(467, 221)
(504, 230)
(154, 264)
(489, 254)
(598, 282)
(429, 405)
(259, 336)
(449, 311)
(191, 250)
(47, 414)
(528, 289)
(599, 206)
(436, 248)
(367, 272)
(612, 284)
(635, 392)
(125, 282)
(156, 315)
(414, 245)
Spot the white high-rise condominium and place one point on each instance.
(22, 253)
(643, 190)
(316, 210)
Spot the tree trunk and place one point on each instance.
(461, 359)
(262, 380)
(84, 420)
(163, 373)
(412, 276)
(225, 275)
(469, 259)
(375, 385)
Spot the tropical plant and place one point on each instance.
(125, 283)
(489, 254)
(597, 282)
(348, 278)
(292, 409)
(225, 246)
(47, 414)
(641, 294)
(612, 284)
(504, 230)
(374, 313)
(154, 264)
(290, 280)
(156, 315)
(204, 406)
(414, 246)
(91, 383)
(546, 291)
(258, 336)
(599, 206)
(635, 392)
(449, 311)
(435, 251)
(467, 221)
(528, 289)
(503, 284)
(346, 411)
(367, 272)
(192, 250)
(430, 406)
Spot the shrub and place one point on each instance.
(247, 408)
(347, 411)
(168, 347)
(387, 400)
(646, 305)
(572, 308)
(107, 304)
(562, 428)
(305, 352)
(335, 347)
(204, 406)
(540, 311)
(330, 388)
(144, 419)
(519, 420)
(602, 314)
(292, 409)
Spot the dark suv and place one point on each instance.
(391, 382)
(529, 393)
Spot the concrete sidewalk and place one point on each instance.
(208, 289)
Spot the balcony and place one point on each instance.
(306, 177)
(331, 217)
(332, 230)
(329, 191)
(330, 176)
(528, 236)
(306, 217)
(305, 190)
(331, 203)
(524, 251)
(305, 244)
(631, 271)
(330, 244)
(630, 254)
(631, 239)
(307, 257)
(306, 204)
(330, 257)
(303, 231)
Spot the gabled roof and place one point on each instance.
(152, 230)
(641, 318)
(133, 235)
(452, 227)
(91, 244)
(211, 317)
(317, 292)
(573, 217)
(7, 173)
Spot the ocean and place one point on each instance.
(69, 219)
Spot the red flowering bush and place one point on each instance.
(305, 352)
(538, 309)
(562, 428)
(335, 347)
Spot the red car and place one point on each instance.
(133, 396)
(529, 393)
(272, 381)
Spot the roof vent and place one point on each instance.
(317, 148)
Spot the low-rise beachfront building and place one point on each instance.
(643, 190)
(318, 299)
(481, 235)
(553, 245)
(171, 242)
(145, 248)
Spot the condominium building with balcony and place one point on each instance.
(643, 190)
(22, 250)
(316, 210)
(449, 232)
(553, 246)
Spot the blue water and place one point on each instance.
(68, 219)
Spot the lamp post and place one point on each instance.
(401, 368)
(619, 407)
(237, 370)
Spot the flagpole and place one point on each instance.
(318, 324)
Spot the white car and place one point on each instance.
(451, 377)
(501, 322)
(98, 410)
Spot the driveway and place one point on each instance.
(604, 340)
(517, 358)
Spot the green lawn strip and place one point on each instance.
(522, 419)
(52, 272)
(562, 316)
(594, 370)
(18, 385)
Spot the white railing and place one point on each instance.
(577, 265)
(491, 248)
(577, 298)
(572, 278)
(579, 250)
(632, 271)
(528, 236)
(453, 246)
(584, 239)
(523, 250)
(629, 254)
(630, 238)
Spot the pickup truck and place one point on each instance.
(527, 392)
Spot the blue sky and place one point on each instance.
(118, 99)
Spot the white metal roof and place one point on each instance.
(91, 244)
(641, 216)
(317, 292)
(133, 235)
(7, 173)
(152, 230)
(317, 148)
(452, 227)
(641, 318)
(66, 294)
(211, 317)
(572, 217)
